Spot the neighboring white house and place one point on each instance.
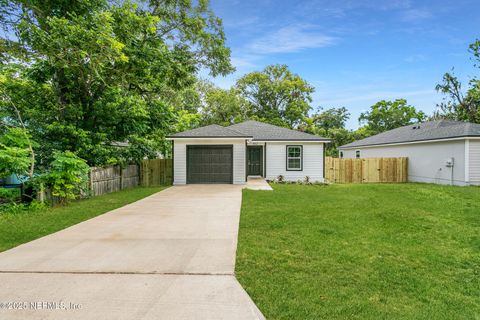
(216, 154)
(444, 151)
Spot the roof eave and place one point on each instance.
(293, 140)
(208, 137)
(410, 142)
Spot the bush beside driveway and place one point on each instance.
(392, 251)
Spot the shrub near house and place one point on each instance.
(68, 176)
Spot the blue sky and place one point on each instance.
(354, 53)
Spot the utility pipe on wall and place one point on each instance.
(450, 163)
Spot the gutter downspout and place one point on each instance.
(173, 162)
(467, 162)
(323, 162)
(265, 161)
(451, 176)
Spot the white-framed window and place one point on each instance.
(341, 154)
(294, 158)
(357, 154)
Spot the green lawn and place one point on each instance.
(24, 226)
(392, 251)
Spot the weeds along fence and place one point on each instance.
(366, 170)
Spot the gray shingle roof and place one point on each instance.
(211, 131)
(431, 130)
(268, 132)
(249, 129)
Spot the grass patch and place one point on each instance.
(25, 226)
(391, 251)
(9, 195)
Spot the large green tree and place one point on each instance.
(330, 123)
(16, 155)
(387, 115)
(221, 106)
(332, 118)
(86, 73)
(276, 95)
(459, 105)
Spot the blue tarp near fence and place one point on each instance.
(11, 181)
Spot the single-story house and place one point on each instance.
(216, 154)
(442, 151)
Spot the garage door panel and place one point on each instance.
(209, 164)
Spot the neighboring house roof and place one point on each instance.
(249, 129)
(268, 132)
(431, 130)
(211, 131)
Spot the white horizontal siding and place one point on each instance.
(180, 158)
(239, 162)
(474, 161)
(426, 161)
(179, 162)
(276, 161)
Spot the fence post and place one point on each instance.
(121, 178)
(146, 173)
(163, 168)
(139, 174)
(90, 182)
(41, 193)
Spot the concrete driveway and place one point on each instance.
(168, 256)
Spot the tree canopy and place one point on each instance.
(15, 153)
(331, 123)
(85, 74)
(222, 106)
(332, 118)
(459, 105)
(388, 115)
(276, 95)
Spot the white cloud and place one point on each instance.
(291, 39)
(246, 61)
(416, 14)
(342, 8)
(242, 23)
(377, 96)
(415, 58)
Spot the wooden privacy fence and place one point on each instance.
(342, 170)
(156, 172)
(104, 180)
(115, 178)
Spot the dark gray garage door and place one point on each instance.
(209, 164)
